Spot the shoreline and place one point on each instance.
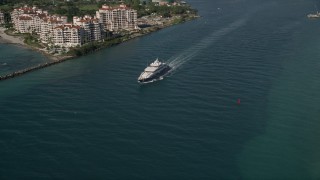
(19, 41)
(7, 39)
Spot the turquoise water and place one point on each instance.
(88, 118)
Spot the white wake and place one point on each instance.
(188, 54)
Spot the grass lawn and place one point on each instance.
(88, 7)
(5, 8)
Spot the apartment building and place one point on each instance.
(55, 29)
(117, 18)
(47, 26)
(27, 19)
(68, 35)
(93, 29)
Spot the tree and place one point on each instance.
(136, 2)
(61, 11)
(7, 17)
(72, 11)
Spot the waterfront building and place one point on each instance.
(68, 35)
(27, 19)
(93, 29)
(47, 26)
(28, 24)
(1, 18)
(54, 30)
(117, 18)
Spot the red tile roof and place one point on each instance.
(67, 25)
(25, 18)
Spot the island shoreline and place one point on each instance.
(7, 39)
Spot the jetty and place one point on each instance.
(33, 68)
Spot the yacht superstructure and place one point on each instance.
(154, 71)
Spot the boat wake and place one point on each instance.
(188, 54)
(178, 60)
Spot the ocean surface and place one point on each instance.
(88, 118)
(15, 57)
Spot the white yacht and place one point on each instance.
(317, 15)
(154, 71)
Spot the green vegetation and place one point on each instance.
(94, 46)
(164, 11)
(10, 31)
(178, 20)
(69, 9)
(9, 5)
(89, 7)
(5, 8)
(32, 40)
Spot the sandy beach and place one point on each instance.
(4, 38)
(7, 39)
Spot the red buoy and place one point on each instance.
(239, 101)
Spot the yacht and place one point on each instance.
(154, 71)
(317, 15)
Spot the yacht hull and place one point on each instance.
(156, 76)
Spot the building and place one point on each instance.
(117, 18)
(54, 30)
(93, 29)
(27, 19)
(1, 18)
(68, 35)
(28, 24)
(47, 26)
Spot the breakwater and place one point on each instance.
(33, 68)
